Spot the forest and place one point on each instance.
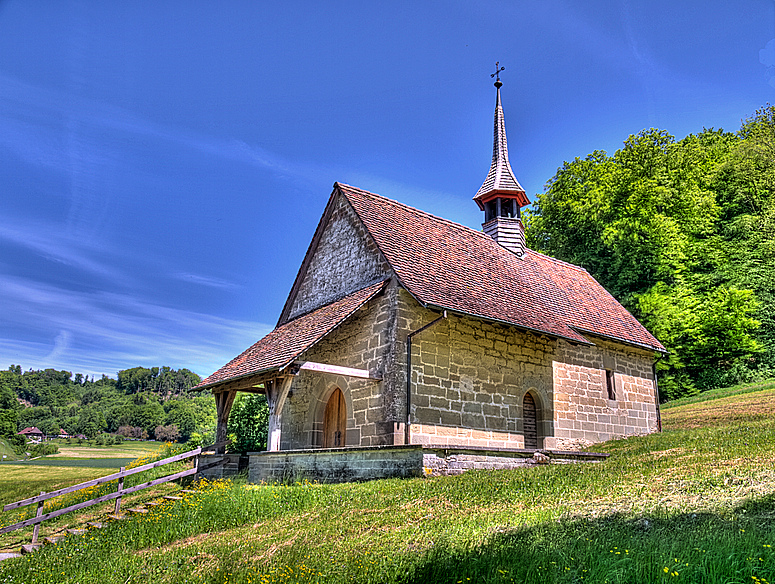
(156, 403)
(682, 232)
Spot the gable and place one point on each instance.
(342, 258)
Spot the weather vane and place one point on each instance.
(498, 70)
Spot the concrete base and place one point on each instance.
(337, 465)
(218, 466)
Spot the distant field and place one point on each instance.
(126, 450)
(19, 481)
(74, 464)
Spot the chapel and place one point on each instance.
(405, 329)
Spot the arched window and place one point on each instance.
(530, 422)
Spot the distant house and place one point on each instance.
(63, 434)
(33, 433)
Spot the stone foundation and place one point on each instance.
(338, 465)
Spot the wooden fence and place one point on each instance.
(40, 517)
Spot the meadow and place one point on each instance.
(75, 463)
(695, 503)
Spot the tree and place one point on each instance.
(166, 433)
(680, 233)
(248, 423)
(8, 423)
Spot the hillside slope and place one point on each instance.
(695, 503)
(7, 452)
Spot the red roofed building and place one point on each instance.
(405, 328)
(32, 432)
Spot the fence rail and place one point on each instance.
(40, 500)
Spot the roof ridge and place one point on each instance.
(416, 210)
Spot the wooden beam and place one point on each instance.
(337, 370)
(277, 393)
(244, 384)
(223, 403)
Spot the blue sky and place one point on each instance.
(163, 165)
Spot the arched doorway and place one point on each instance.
(530, 421)
(335, 421)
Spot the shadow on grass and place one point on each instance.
(692, 547)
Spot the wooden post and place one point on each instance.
(120, 488)
(276, 394)
(38, 513)
(223, 402)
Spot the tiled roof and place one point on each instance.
(285, 343)
(447, 265)
(501, 177)
(31, 430)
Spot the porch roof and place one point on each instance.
(285, 343)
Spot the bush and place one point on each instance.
(167, 433)
(43, 449)
(17, 443)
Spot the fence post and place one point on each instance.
(120, 487)
(38, 513)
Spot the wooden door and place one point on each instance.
(335, 421)
(529, 422)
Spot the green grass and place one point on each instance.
(721, 392)
(695, 503)
(20, 481)
(7, 451)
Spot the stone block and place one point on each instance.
(473, 420)
(491, 410)
(427, 415)
(495, 423)
(439, 403)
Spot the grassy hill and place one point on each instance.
(695, 503)
(7, 452)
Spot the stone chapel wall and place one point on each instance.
(364, 341)
(345, 260)
(469, 378)
(584, 414)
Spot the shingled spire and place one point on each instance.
(501, 196)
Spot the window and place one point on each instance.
(489, 211)
(610, 384)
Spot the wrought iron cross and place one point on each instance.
(498, 70)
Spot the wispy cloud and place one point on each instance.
(49, 242)
(208, 281)
(21, 101)
(102, 332)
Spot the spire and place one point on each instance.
(500, 180)
(501, 197)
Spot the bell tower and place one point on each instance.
(501, 197)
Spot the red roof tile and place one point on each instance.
(285, 343)
(447, 265)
